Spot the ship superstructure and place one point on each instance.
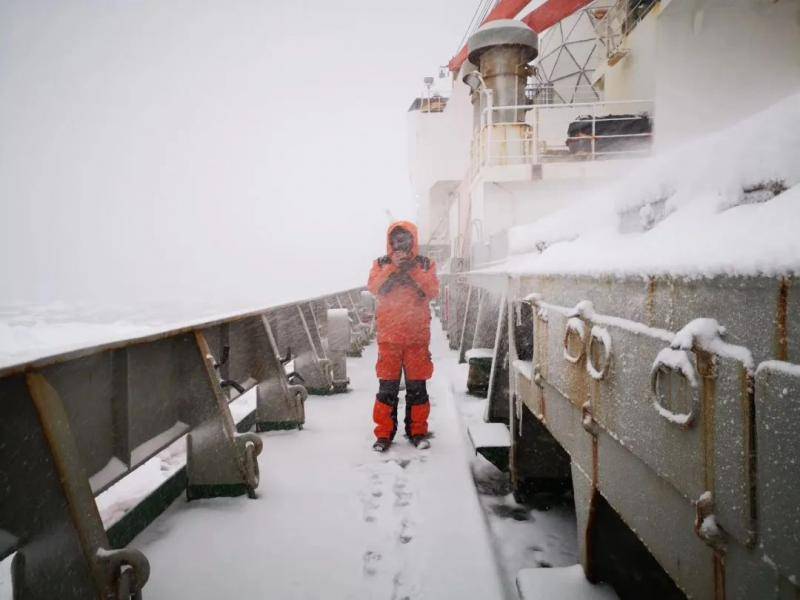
(621, 281)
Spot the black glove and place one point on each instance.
(383, 261)
(393, 281)
(406, 265)
(424, 262)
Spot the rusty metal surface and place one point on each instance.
(470, 321)
(497, 399)
(33, 473)
(749, 307)
(725, 449)
(295, 338)
(278, 403)
(778, 439)
(72, 424)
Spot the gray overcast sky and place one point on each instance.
(243, 151)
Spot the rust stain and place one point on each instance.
(591, 519)
(542, 343)
(719, 576)
(650, 301)
(706, 366)
(578, 385)
(543, 405)
(63, 449)
(747, 386)
(781, 321)
(594, 399)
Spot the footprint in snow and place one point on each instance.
(401, 496)
(371, 560)
(405, 535)
(369, 505)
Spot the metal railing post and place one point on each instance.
(490, 124)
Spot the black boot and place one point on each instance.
(381, 444)
(420, 441)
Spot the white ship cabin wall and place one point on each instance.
(707, 64)
(629, 66)
(438, 160)
(719, 61)
(694, 66)
(516, 192)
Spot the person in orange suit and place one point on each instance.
(404, 283)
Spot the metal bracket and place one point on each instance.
(537, 375)
(218, 461)
(601, 335)
(667, 363)
(705, 523)
(127, 568)
(279, 402)
(574, 326)
(588, 421)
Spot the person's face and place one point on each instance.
(402, 241)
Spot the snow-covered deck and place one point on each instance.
(333, 518)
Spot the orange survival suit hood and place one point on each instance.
(408, 226)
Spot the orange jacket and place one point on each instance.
(403, 315)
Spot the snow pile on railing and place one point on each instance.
(727, 203)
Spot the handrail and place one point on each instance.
(530, 134)
(72, 424)
(59, 357)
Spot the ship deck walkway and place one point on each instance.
(333, 518)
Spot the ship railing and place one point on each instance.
(579, 131)
(617, 22)
(562, 91)
(74, 424)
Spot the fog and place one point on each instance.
(235, 153)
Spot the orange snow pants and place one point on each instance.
(415, 362)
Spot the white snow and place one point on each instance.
(489, 435)
(601, 334)
(709, 528)
(117, 500)
(576, 325)
(563, 583)
(700, 330)
(585, 309)
(778, 365)
(5, 577)
(523, 537)
(523, 367)
(30, 332)
(712, 226)
(26, 335)
(677, 360)
(146, 449)
(113, 469)
(706, 334)
(333, 518)
(479, 353)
